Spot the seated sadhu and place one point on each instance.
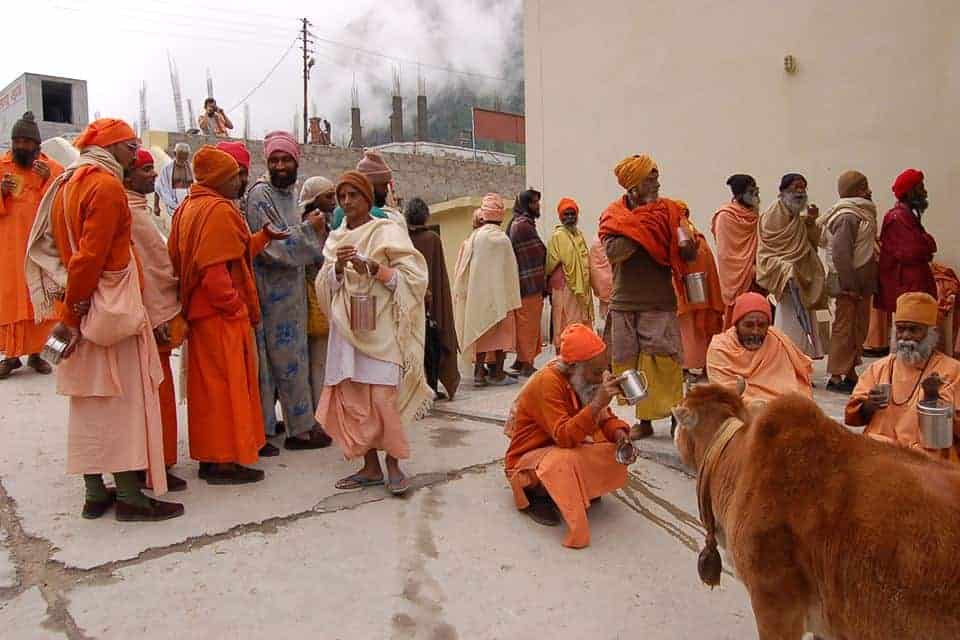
(767, 360)
(915, 371)
(562, 433)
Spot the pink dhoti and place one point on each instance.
(500, 337)
(360, 417)
(565, 309)
(572, 477)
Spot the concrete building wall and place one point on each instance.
(701, 86)
(431, 178)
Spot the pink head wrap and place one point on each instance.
(281, 141)
(375, 167)
(491, 208)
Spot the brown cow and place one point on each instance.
(831, 532)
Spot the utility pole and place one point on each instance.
(308, 62)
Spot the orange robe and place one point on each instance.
(601, 276)
(19, 334)
(114, 421)
(734, 228)
(776, 368)
(556, 443)
(701, 321)
(212, 253)
(162, 301)
(898, 422)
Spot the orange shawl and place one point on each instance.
(734, 228)
(653, 226)
(208, 229)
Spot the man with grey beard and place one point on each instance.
(564, 438)
(886, 397)
(788, 265)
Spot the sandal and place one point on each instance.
(357, 481)
(398, 488)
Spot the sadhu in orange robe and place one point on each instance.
(778, 367)
(556, 443)
(19, 334)
(162, 301)
(898, 422)
(212, 253)
(699, 321)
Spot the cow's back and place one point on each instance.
(873, 529)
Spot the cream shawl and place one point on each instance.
(788, 249)
(45, 273)
(401, 316)
(161, 291)
(865, 246)
(486, 284)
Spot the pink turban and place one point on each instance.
(281, 141)
(906, 181)
(375, 168)
(491, 208)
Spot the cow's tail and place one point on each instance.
(709, 564)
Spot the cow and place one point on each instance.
(831, 532)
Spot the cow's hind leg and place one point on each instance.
(778, 617)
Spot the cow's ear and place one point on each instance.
(741, 385)
(685, 417)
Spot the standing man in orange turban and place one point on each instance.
(734, 229)
(568, 272)
(531, 261)
(212, 253)
(160, 297)
(915, 372)
(25, 173)
(563, 436)
(648, 242)
(110, 369)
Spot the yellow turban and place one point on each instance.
(632, 171)
(917, 307)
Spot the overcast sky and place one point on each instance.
(116, 44)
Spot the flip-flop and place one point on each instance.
(399, 488)
(357, 481)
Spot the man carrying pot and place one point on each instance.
(564, 438)
(888, 393)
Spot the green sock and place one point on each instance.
(128, 489)
(96, 491)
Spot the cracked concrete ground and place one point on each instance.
(293, 557)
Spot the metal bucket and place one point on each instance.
(633, 386)
(936, 424)
(363, 312)
(53, 349)
(695, 285)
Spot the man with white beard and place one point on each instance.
(915, 372)
(564, 438)
(788, 265)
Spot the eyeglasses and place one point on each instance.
(133, 145)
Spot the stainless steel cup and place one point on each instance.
(886, 389)
(633, 386)
(363, 312)
(695, 285)
(53, 349)
(626, 453)
(936, 424)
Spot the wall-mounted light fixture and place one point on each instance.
(790, 64)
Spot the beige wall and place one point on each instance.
(455, 219)
(701, 86)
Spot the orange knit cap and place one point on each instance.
(579, 343)
(918, 307)
(213, 167)
(632, 171)
(105, 132)
(748, 303)
(567, 203)
(359, 182)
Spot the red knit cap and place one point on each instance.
(906, 181)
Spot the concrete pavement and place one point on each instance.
(293, 557)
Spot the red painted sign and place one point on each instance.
(498, 125)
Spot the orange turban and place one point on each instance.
(359, 182)
(212, 167)
(917, 307)
(632, 171)
(491, 208)
(579, 343)
(748, 303)
(104, 132)
(567, 203)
